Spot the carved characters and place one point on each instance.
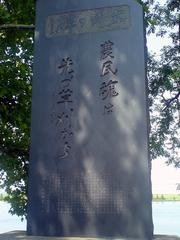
(62, 117)
(108, 74)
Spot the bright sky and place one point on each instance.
(155, 43)
(164, 178)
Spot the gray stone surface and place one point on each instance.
(89, 173)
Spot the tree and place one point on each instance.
(16, 41)
(15, 99)
(164, 87)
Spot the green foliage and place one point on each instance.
(15, 101)
(16, 59)
(164, 88)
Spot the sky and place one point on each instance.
(164, 178)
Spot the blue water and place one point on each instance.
(166, 218)
(9, 222)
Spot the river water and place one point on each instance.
(166, 218)
(9, 222)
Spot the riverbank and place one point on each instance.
(3, 196)
(156, 197)
(166, 197)
(21, 235)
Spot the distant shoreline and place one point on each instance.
(155, 198)
(2, 196)
(166, 197)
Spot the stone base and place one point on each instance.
(21, 235)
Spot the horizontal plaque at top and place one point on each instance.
(95, 20)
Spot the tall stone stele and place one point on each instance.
(89, 171)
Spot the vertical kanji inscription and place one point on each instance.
(108, 76)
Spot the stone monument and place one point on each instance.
(89, 171)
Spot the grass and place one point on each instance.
(166, 197)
